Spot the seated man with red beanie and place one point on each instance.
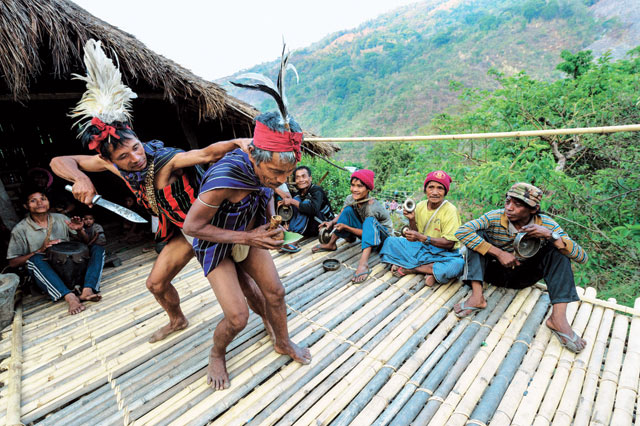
(429, 246)
(362, 217)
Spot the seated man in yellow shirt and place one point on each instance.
(429, 246)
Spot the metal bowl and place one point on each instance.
(525, 247)
(409, 205)
(285, 212)
(324, 236)
(331, 265)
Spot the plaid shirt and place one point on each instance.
(496, 225)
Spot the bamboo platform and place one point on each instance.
(388, 351)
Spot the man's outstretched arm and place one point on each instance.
(72, 167)
(209, 154)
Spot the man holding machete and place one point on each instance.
(164, 180)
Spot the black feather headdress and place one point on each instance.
(276, 91)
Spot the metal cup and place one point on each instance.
(409, 205)
(525, 247)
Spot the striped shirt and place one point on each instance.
(496, 225)
(234, 171)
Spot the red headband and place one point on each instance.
(271, 140)
(105, 130)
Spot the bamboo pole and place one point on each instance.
(15, 367)
(494, 393)
(211, 406)
(381, 377)
(565, 364)
(590, 386)
(405, 405)
(169, 406)
(565, 412)
(352, 327)
(611, 303)
(293, 392)
(494, 359)
(372, 341)
(356, 380)
(629, 377)
(517, 134)
(530, 403)
(467, 378)
(609, 376)
(346, 363)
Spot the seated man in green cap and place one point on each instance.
(490, 257)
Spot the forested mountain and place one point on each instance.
(391, 75)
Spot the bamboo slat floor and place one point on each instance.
(388, 351)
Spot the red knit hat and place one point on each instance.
(440, 177)
(365, 176)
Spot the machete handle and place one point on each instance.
(95, 198)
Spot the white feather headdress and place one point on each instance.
(106, 98)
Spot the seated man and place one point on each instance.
(32, 236)
(490, 257)
(228, 221)
(309, 202)
(429, 245)
(362, 217)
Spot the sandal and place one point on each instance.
(398, 271)
(469, 309)
(356, 276)
(289, 248)
(569, 342)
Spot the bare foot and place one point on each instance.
(88, 295)
(75, 305)
(217, 376)
(429, 280)
(324, 247)
(172, 327)
(469, 303)
(301, 355)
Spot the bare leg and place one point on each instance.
(475, 301)
(363, 266)
(259, 265)
(171, 260)
(224, 282)
(75, 305)
(558, 321)
(255, 299)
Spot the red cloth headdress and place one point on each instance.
(271, 140)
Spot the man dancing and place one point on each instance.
(164, 180)
(229, 223)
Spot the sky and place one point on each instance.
(215, 39)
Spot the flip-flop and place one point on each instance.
(470, 309)
(569, 342)
(367, 272)
(398, 271)
(289, 248)
(318, 249)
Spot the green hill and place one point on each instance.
(391, 75)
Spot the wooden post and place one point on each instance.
(7, 212)
(15, 368)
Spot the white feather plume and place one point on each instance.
(106, 97)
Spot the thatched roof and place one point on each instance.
(43, 40)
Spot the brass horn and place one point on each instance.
(409, 205)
